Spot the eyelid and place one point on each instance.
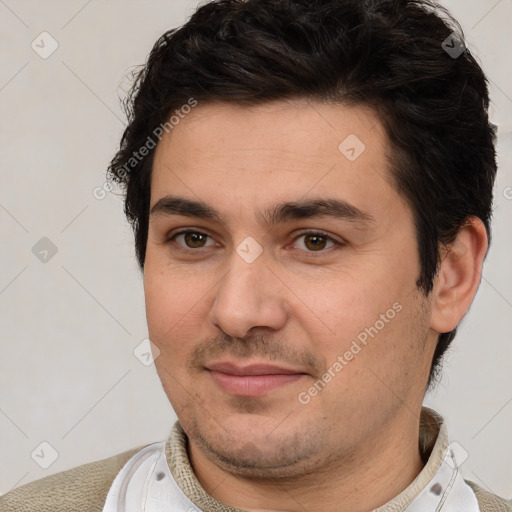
(183, 231)
(312, 231)
(322, 233)
(172, 236)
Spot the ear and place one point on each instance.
(459, 275)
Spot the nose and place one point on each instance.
(249, 298)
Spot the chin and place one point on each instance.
(277, 452)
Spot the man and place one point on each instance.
(310, 185)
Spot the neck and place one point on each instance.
(386, 464)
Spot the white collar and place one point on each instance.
(446, 492)
(145, 484)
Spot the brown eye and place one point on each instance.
(315, 242)
(192, 239)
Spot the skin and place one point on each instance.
(300, 304)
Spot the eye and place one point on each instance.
(311, 241)
(315, 241)
(190, 239)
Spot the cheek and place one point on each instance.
(374, 361)
(175, 309)
(345, 304)
(374, 336)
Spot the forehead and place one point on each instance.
(238, 156)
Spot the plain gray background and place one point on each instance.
(70, 324)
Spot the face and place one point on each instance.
(280, 285)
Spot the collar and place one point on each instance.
(160, 476)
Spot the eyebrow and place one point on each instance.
(334, 208)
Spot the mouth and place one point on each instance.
(254, 380)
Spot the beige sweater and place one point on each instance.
(85, 488)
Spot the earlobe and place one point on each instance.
(458, 276)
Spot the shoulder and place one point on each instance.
(489, 502)
(82, 489)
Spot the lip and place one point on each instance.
(254, 380)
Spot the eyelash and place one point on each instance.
(190, 250)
